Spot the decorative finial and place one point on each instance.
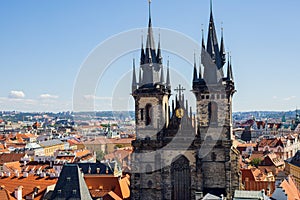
(159, 34)
(149, 1)
(210, 5)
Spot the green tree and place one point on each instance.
(118, 146)
(100, 155)
(256, 161)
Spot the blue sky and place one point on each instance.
(43, 45)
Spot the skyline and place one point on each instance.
(44, 45)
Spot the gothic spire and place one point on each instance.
(210, 58)
(150, 47)
(140, 77)
(134, 83)
(212, 46)
(159, 57)
(203, 43)
(142, 53)
(168, 76)
(229, 70)
(200, 71)
(222, 49)
(195, 69)
(162, 78)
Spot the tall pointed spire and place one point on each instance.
(229, 69)
(142, 52)
(210, 57)
(195, 69)
(140, 77)
(150, 48)
(162, 76)
(200, 71)
(134, 83)
(168, 75)
(203, 43)
(222, 49)
(159, 57)
(212, 46)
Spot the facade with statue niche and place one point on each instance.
(178, 155)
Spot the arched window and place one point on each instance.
(148, 114)
(181, 179)
(142, 114)
(157, 161)
(213, 112)
(148, 169)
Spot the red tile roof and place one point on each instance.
(10, 157)
(28, 184)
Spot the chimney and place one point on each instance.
(36, 190)
(18, 192)
(17, 174)
(25, 174)
(43, 175)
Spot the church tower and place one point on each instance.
(214, 92)
(151, 93)
(176, 154)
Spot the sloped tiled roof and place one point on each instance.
(10, 157)
(50, 143)
(274, 142)
(102, 185)
(28, 184)
(242, 194)
(71, 185)
(287, 190)
(91, 168)
(119, 154)
(5, 195)
(296, 159)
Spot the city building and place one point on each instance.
(293, 168)
(177, 155)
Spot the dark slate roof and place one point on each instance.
(296, 159)
(71, 185)
(85, 167)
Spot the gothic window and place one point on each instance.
(157, 162)
(142, 114)
(148, 169)
(148, 114)
(181, 178)
(213, 156)
(213, 113)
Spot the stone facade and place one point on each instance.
(178, 155)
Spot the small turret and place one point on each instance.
(222, 49)
(229, 71)
(168, 84)
(134, 83)
(195, 70)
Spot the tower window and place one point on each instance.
(213, 112)
(148, 114)
(142, 114)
